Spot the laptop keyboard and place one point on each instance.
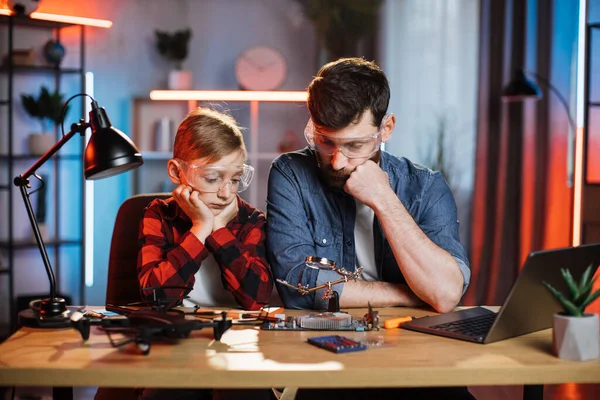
(476, 326)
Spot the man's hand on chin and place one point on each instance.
(367, 183)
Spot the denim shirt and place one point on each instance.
(306, 217)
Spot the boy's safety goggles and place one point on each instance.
(213, 178)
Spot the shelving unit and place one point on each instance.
(590, 190)
(13, 162)
(190, 99)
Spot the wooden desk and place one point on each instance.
(250, 358)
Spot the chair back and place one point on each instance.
(123, 286)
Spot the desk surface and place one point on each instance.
(251, 358)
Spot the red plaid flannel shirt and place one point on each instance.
(170, 254)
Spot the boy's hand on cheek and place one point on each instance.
(226, 215)
(201, 216)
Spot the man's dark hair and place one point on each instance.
(344, 89)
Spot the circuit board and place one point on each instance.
(325, 321)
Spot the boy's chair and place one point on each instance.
(122, 287)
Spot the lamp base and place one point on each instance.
(49, 313)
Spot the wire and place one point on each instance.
(64, 108)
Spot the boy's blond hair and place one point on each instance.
(207, 134)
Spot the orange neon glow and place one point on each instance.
(577, 186)
(229, 95)
(568, 391)
(68, 19)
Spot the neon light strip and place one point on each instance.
(578, 186)
(88, 212)
(68, 19)
(578, 162)
(229, 95)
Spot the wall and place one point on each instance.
(125, 64)
(428, 50)
(429, 53)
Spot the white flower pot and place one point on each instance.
(40, 143)
(180, 80)
(576, 338)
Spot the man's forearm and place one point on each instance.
(430, 271)
(357, 294)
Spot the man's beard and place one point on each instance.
(337, 179)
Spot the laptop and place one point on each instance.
(529, 306)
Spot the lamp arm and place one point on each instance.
(562, 100)
(75, 128)
(22, 181)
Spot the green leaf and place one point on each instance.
(30, 105)
(585, 278)
(568, 306)
(584, 294)
(590, 299)
(570, 282)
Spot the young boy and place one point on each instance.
(205, 237)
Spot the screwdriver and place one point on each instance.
(396, 322)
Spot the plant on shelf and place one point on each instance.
(174, 48)
(576, 334)
(341, 25)
(47, 109)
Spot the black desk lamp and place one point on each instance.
(521, 88)
(109, 152)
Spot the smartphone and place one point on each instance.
(337, 343)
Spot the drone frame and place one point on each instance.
(144, 325)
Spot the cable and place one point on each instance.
(64, 108)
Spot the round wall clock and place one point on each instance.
(260, 68)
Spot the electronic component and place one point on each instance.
(396, 322)
(324, 321)
(337, 343)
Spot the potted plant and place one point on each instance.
(174, 48)
(47, 109)
(575, 334)
(341, 26)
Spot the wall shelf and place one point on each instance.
(28, 244)
(50, 21)
(60, 195)
(37, 69)
(33, 158)
(231, 95)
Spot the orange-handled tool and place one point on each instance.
(396, 322)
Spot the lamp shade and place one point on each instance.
(109, 151)
(520, 88)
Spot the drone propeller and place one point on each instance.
(81, 323)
